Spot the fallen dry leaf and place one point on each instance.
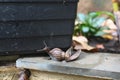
(100, 46)
(108, 36)
(112, 29)
(80, 38)
(109, 23)
(78, 46)
(91, 51)
(83, 42)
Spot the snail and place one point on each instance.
(60, 55)
(57, 54)
(24, 74)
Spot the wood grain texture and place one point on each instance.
(8, 73)
(41, 75)
(11, 73)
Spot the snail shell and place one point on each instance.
(57, 54)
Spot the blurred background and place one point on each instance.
(85, 6)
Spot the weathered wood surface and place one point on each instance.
(41, 75)
(8, 73)
(90, 65)
(11, 73)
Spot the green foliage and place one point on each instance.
(90, 24)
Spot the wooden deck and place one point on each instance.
(11, 73)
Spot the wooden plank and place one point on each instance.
(41, 75)
(90, 65)
(11, 73)
(8, 73)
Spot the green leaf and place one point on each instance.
(85, 29)
(104, 28)
(111, 15)
(99, 33)
(98, 21)
(89, 20)
(93, 30)
(90, 24)
(81, 17)
(93, 14)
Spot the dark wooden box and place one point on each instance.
(26, 24)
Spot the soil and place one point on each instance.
(111, 46)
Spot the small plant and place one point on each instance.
(90, 24)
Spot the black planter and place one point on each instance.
(26, 24)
